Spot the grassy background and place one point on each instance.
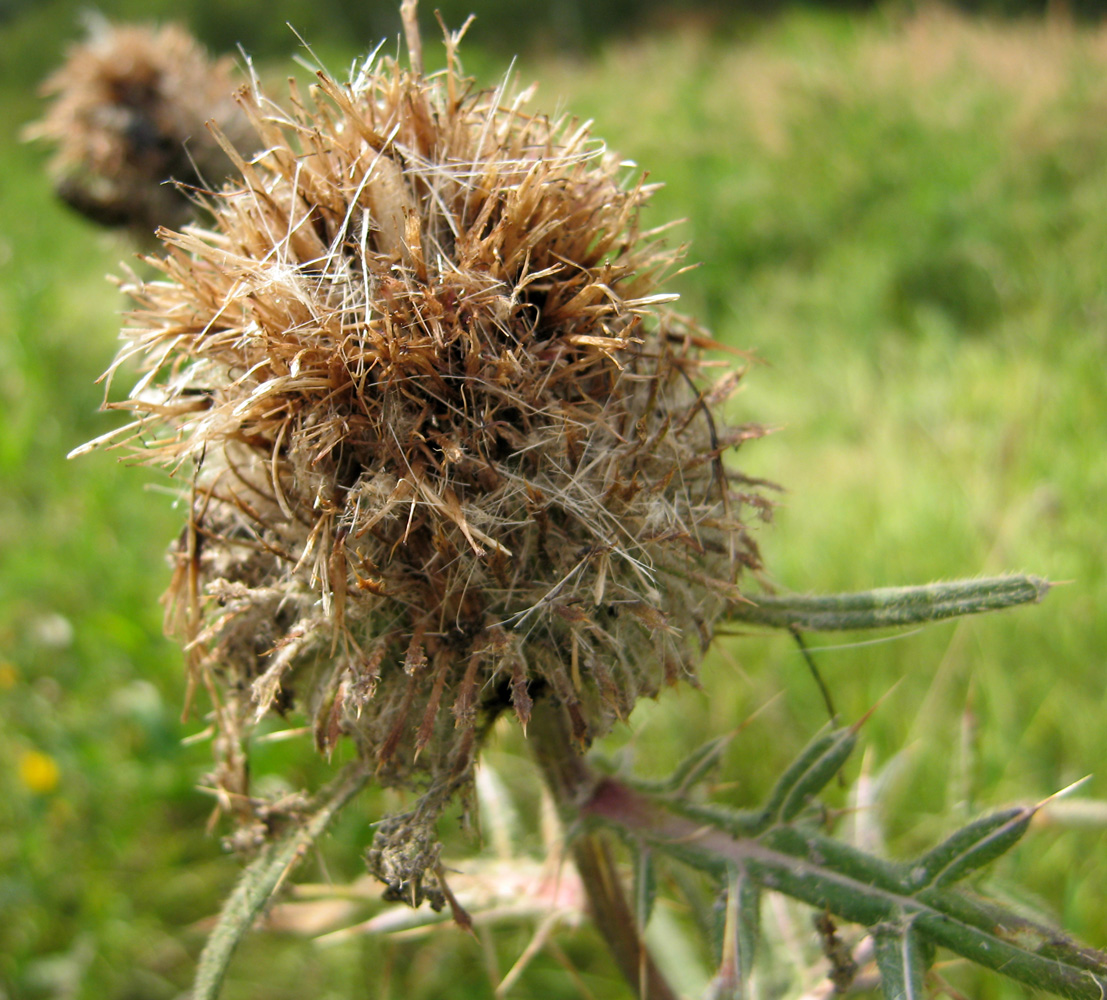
(906, 218)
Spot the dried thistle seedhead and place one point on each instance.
(128, 115)
(450, 451)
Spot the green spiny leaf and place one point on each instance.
(740, 934)
(902, 956)
(854, 886)
(645, 885)
(749, 923)
(971, 847)
(809, 773)
(691, 770)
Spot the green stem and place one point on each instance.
(889, 606)
(264, 876)
(571, 782)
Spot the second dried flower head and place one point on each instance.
(127, 121)
(449, 450)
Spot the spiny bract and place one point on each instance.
(449, 449)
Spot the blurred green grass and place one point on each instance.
(906, 220)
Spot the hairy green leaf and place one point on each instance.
(809, 773)
(740, 933)
(263, 877)
(902, 956)
(857, 887)
(971, 847)
(890, 606)
(645, 885)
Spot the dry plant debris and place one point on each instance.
(450, 449)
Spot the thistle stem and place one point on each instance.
(260, 881)
(571, 782)
(889, 606)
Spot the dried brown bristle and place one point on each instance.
(451, 452)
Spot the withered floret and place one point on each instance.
(450, 451)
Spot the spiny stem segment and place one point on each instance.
(889, 606)
(260, 881)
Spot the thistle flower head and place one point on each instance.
(449, 449)
(127, 116)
